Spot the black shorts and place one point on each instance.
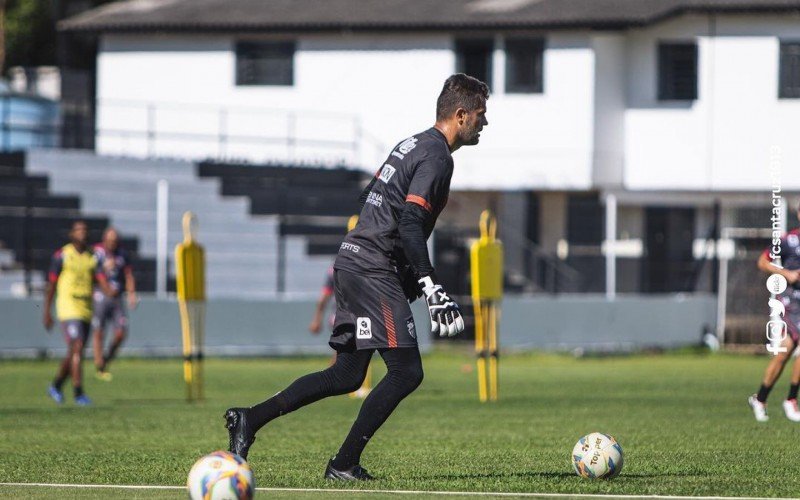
(372, 312)
(74, 329)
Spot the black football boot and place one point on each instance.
(240, 435)
(354, 473)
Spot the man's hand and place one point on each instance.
(792, 276)
(445, 316)
(48, 321)
(409, 282)
(133, 300)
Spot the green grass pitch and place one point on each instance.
(682, 420)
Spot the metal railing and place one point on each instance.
(542, 271)
(191, 131)
(195, 131)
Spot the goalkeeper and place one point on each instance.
(382, 264)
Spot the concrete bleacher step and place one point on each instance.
(221, 243)
(147, 223)
(241, 248)
(189, 201)
(204, 187)
(94, 173)
(86, 161)
(206, 218)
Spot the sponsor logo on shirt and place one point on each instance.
(350, 247)
(386, 173)
(374, 198)
(363, 328)
(405, 147)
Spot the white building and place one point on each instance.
(670, 106)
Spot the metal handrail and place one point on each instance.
(557, 276)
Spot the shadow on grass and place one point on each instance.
(154, 402)
(490, 475)
(555, 475)
(37, 411)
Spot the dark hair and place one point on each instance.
(460, 91)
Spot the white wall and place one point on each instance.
(598, 123)
(386, 85)
(537, 141)
(609, 109)
(339, 85)
(721, 141)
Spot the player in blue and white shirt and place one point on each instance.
(787, 308)
(110, 311)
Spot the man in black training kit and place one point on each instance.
(382, 265)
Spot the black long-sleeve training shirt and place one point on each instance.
(400, 209)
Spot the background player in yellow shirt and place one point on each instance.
(73, 273)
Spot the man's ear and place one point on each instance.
(461, 115)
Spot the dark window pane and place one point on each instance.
(474, 57)
(264, 63)
(524, 59)
(789, 77)
(677, 71)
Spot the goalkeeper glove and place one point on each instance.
(445, 316)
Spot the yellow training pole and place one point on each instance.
(480, 350)
(186, 336)
(493, 352)
(190, 278)
(486, 268)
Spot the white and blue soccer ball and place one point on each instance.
(221, 476)
(597, 456)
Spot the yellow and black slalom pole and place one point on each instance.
(486, 266)
(191, 287)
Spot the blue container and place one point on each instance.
(28, 122)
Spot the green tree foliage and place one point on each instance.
(30, 34)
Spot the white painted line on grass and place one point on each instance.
(404, 492)
(99, 486)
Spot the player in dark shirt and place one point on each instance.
(111, 310)
(787, 303)
(382, 264)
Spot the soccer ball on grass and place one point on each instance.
(597, 456)
(221, 476)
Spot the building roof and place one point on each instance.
(398, 15)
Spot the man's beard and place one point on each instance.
(474, 138)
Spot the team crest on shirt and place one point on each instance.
(363, 328)
(386, 173)
(405, 147)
